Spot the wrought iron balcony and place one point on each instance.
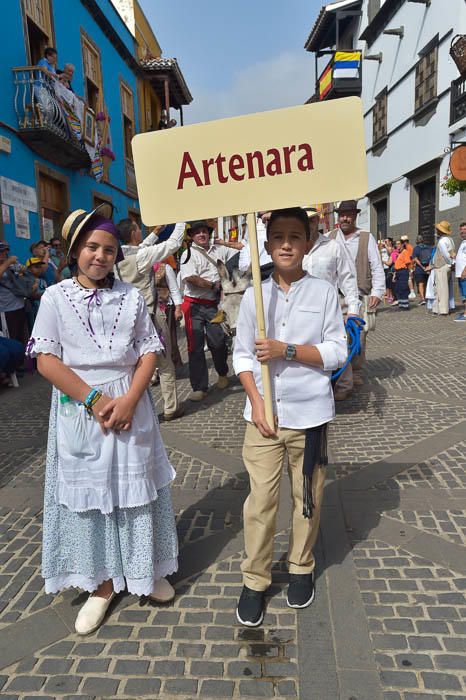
(341, 76)
(458, 100)
(50, 118)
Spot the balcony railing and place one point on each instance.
(341, 76)
(50, 118)
(458, 100)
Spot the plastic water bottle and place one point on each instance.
(68, 407)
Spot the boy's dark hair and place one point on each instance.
(291, 213)
(55, 238)
(50, 51)
(125, 227)
(463, 223)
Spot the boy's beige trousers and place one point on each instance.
(263, 458)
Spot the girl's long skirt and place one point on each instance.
(402, 288)
(132, 546)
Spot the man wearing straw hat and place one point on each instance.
(444, 258)
(362, 248)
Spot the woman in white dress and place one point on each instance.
(108, 517)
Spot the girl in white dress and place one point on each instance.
(108, 517)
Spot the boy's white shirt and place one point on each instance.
(309, 314)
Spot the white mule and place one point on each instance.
(92, 613)
(162, 592)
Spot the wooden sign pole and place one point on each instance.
(256, 280)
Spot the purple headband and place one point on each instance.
(100, 223)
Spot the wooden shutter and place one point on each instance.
(39, 12)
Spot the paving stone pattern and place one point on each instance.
(194, 648)
(445, 470)
(416, 612)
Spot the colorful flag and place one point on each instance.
(346, 64)
(325, 82)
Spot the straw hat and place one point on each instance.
(444, 227)
(76, 221)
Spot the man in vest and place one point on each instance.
(136, 269)
(363, 250)
(202, 287)
(443, 262)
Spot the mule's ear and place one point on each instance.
(223, 271)
(248, 272)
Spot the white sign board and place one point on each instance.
(269, 160)
(22, 223)
(18, 195)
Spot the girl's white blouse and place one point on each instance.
(100, 334)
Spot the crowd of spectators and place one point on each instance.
(426, 272)
(422, 274)
(21, 288)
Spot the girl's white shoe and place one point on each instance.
(92, 613)
(162, 592)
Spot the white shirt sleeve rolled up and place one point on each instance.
(172, 285)
(147, 255)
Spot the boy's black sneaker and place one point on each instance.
(301, 590)
(250, 610)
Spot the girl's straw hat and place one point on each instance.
(76, 221)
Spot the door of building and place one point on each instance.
(53, 197)
(427, 196)
(382, 218)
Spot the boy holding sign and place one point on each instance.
(305, 342)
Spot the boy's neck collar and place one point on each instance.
(288, 280)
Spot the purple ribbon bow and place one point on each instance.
(90, 298)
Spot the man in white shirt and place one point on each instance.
(136, 268)
(305, 342)
(265, 261)
(329, 260)
(363, 250)
(460, 270)
(199, 274)
(443, 262)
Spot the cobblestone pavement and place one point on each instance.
(388, 622)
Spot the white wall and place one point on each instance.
(411, 146)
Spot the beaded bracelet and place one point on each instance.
(91, 399)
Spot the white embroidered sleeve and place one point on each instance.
(146, 338)
(45, 336)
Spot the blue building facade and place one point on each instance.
(51, 146)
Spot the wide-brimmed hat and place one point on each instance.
(347, 205)
(202, 223)
(80, 218)
(404, 238)
(444, 227)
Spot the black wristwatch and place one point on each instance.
(290, 352)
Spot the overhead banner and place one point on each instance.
(269, 160)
